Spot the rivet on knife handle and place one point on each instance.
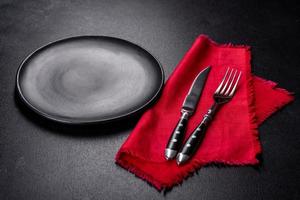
(176, 137)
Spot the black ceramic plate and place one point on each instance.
(89, 79)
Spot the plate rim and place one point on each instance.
(106, 120)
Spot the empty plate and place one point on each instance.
(89, 79)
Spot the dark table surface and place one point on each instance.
(40, 160)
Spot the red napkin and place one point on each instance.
(232, 137)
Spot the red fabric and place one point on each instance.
(232, 137)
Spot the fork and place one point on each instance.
(222, 95)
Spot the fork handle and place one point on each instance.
(196, 138)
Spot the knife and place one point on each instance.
(188, 107)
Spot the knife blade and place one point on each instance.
(188, 107)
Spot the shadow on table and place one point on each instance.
(91, 130)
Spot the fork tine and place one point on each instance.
(231, 82)
(234, 87)
(221, 84)
(224, 88)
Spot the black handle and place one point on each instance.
(196, 138)
(176, 138)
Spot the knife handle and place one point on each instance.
(196, 138)
(176, 137)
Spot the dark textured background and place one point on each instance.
(39, 160)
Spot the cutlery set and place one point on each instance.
(223, 94)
